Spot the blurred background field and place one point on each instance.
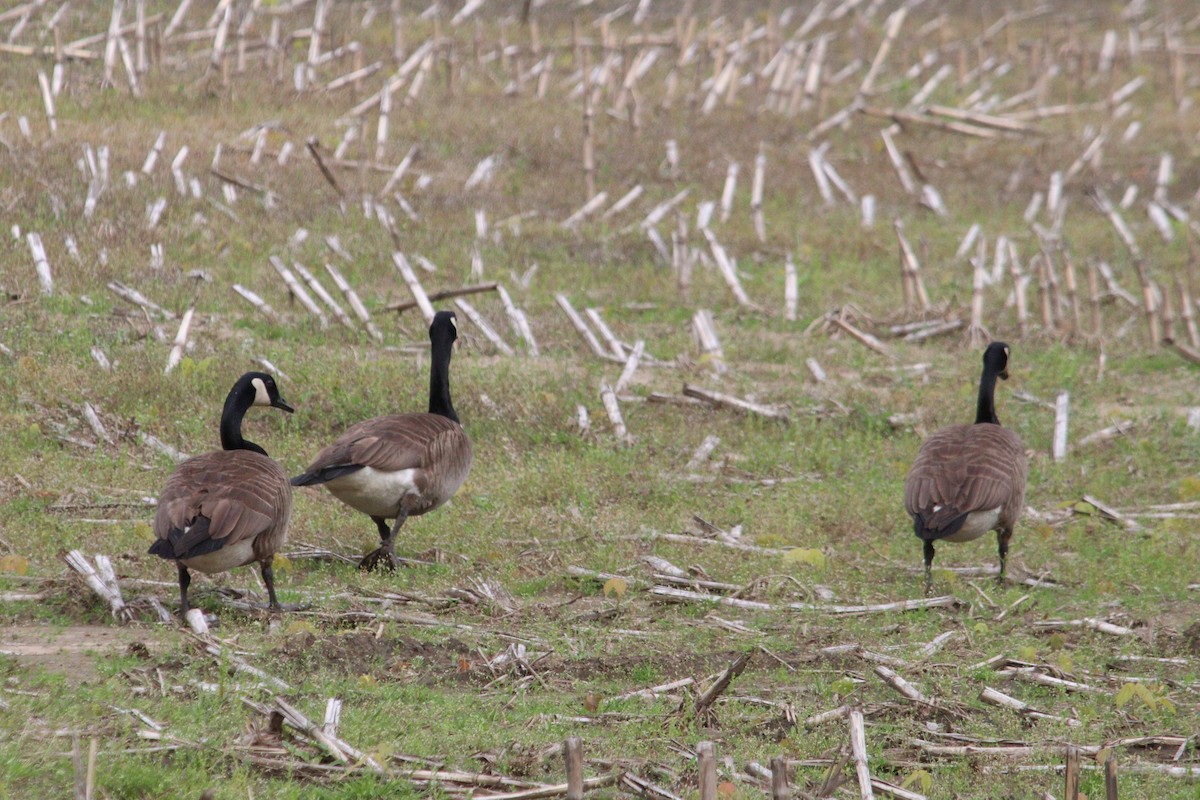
(822, 209)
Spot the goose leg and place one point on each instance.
(385, 556)
(1002, 537)
(268, 574)
(185, 579)
(929, 551)
(384, 530)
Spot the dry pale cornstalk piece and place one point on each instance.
(998, 698)
(414, 285)
(1061, 410)
(914, 287)
(858, 651)
(1032, 675)
(1108, 512)
(858, 746)
(702, 453)
(93, 421)
(932, 647)
(181, 339)
(631, 365)
(613, 409)
(864, 338)
(893, 152)
(731, 176)
(727, 269)
(707, 343)
(1099, 625)
(261, 305)
(614, 345)
(588, 208)
(756, 194)
(584, 331)
(48, 102)
(625, 202)
(298, 291)
(791, 291)
(897, 682)
(722, 400)
(196, 621)
(660, 211)
(484, 326)
(41, 263)
(518, 320)
(101, 580)
(321, 292)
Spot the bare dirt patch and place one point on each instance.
(671, 666)
(361, 652)
(73, 650)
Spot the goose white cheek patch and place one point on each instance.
(261, 396)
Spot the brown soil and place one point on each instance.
(360, 652)
(1191, 639)
(671, 666)
(74, 650)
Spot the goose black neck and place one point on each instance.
(439, 380)
(985, 410)
(236, 405)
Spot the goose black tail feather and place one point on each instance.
(163, 549)
(325, 474)
(944, 527)
(188, 542)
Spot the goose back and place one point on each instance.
(222, 510)
(961, 470)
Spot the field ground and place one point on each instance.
(507, 632)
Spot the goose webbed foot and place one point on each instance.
(279, 608)
(382, 558)
(385, 556)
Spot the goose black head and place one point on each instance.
(261, 387)
(995, 359)
(444, 328)
(252, 389)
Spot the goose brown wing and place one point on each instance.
(448, 456)
(390, 443)
(965, 468)
(220, 498)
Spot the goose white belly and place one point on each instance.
(374, 492)
(977, 524)
(228, 557)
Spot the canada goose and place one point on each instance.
(969, 479)
(401, 465)
(229, 507)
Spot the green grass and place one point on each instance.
(542, 496)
